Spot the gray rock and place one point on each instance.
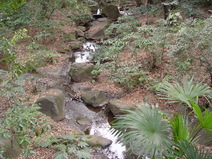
(76, 87)
(84, 121)
(98, 141)
(94, 98)
(52, 104)
(111, 12)
(97, 29)
(116, 106)
(11, 148)
(81, 72)
(82, 28)
(76, 45)
(80, 33)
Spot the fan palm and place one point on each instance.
(185, 92)
(186, 150)
(144, 129)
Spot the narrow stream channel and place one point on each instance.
(101, 120)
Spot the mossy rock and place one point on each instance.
(81, 72)
(94, 98)
(111, 12)
(52, 104)
(10, 147)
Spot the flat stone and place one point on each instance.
(84, 121)
(117, 106)
(94, 98)
(98, 141)
(76, 87)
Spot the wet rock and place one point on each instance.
(93, 8)
(52, 104)
(111, 12)
(82, 28)
(84, 121)
(94, 98)
(97, 29)
(81, 72)
(76, 87)
(76, 45)
(116, 106)
(10, 147)
(80, 33)
(98, 141)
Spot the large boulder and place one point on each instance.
(94, 98)
(52, 104)
(98, 141)
(81, 72)
(111, 12)
(97, 29)
(117, 106)
(10, 147)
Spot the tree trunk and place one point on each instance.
(150, 2)
(138, 3)
(165, 10)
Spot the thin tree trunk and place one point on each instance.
(165, 10)
(138, 3)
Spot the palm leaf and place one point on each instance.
(186, 150)
(180, 128)
(205, 118)
(184, 92)
(144, 129)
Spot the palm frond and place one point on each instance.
(184, 92)
(144, 129)
(180, 128)
(186, 150)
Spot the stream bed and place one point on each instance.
(100, 117)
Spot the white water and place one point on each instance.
(115, 150)
(86, 54)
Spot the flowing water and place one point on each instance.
(100, 125)
(85, 55)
